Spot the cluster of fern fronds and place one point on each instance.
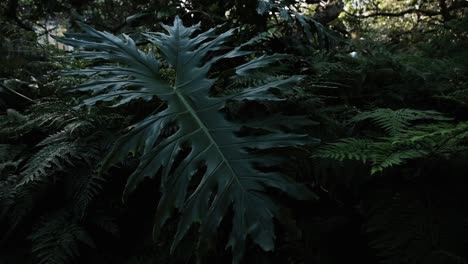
(399, 154)
(49, 155)
(402, 139)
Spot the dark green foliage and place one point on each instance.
(209, 142)
(405, 227)
(389, 106)
(402, 141)
(56, 239)
(66, 147)
(417, 158)
(397, 122)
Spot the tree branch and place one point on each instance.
(444, 11)
(16, 93)
(398, 14)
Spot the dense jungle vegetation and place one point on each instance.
(234, 131)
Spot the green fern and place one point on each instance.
(56, 157)
(229, 174)
(47, 115)
(433, 132)
(88, 184)
(397, 121)
(16, 202)
(57, 238)
(381, 155)
(385, 156)
(403, 143)
(71, 131)
(350, 148)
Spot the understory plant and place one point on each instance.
(208, 162)
(403, 139)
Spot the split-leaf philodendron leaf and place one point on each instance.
(229, 178)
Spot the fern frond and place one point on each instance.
(49, 113)
(16, 201)
(56, 157)
(349, 148)
(89, 185)
(56, 240)
(422, 133)
(439, 139)
(70, 132)
(45, 116)
(397, 121)
(381, 154)
(385, 156)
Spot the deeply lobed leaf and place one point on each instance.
(230, 178)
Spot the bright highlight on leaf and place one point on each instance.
(210, 143)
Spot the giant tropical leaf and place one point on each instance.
(212, 146)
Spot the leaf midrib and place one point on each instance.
(206, 131)
(194, 115)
